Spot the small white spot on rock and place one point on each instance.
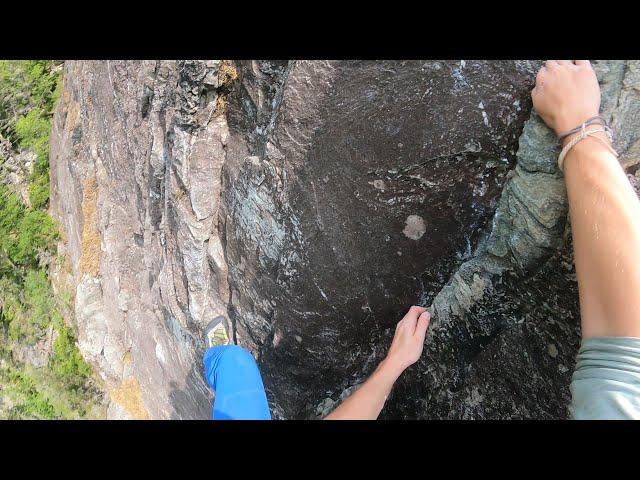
(553, 351)
(160, 353)
(472, 146)
(298, 338)
(476, 398)
(379, 184)
(415, 227)
(485, 118)
(277, 338)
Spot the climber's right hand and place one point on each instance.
(566, 94)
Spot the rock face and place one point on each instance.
(136, 155)
(312, 203)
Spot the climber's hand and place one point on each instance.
(408, 341)
(566, 94)
(367, 401)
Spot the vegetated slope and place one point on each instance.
(42, 374)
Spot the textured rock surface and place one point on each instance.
(514, 305)
(136, 155)
(313, 202)
(358, 190)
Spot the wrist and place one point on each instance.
(390, 368)
(593, 151)
(601, 135)
(563, 126)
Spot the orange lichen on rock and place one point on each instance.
(66, 98)
(129, 396)
(90, 244)
(227, 72)
(72, 118)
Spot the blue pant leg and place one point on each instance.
(233, 375)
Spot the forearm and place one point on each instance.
(367, 401)
(605, 222)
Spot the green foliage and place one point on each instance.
(39, 190)
(24, 288)
(12, 310)
(39, 394)
(23, 387)
(44, 85)
(12, 209)
(38, 297)
(32, 131)
(36, 233)
(29, 309)
(24, 232)
(11, 214)
(28, 93)
(27, 306)
(26, 86)
(67, 362)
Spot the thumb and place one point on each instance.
(423, 324)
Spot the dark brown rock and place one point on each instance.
(356, 192)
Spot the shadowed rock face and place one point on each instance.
(355, 192)
(313, 202)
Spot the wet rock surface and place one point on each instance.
(312, 203)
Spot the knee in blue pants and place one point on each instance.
(233, 375)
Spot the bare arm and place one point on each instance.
(406, 348)
(604, 210)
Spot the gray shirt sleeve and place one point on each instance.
(606, 382)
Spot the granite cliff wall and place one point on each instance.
(312, 202)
